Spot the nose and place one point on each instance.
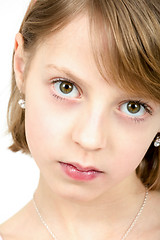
(90, 131)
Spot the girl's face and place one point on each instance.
(86, 135)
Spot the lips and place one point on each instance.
(77, 172)
(82, 169)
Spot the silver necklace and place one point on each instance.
(124, 236)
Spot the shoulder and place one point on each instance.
(154, 206)
(154, 202)
(23, 225)
(8, 229)
(152, 216)
(14, 227)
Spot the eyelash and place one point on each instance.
(63, 80)
(145, 105)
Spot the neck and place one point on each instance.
(70, 214)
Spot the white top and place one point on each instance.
(1, 238)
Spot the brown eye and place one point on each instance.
(133, 107)
(66, 87)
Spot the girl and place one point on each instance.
(85, 104)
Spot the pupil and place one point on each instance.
(66, 87)
(133, 107)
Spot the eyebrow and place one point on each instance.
(70, 75)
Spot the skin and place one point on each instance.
(91, 126)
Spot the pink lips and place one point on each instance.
(80, 173)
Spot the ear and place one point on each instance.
(19, 62)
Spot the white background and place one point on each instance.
(18, 172)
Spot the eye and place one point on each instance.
(135, 108)
(65, 89)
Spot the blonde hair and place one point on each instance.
(128, 30)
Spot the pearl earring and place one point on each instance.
(157, 141)
(22, 102)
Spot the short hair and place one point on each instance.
(128, 30)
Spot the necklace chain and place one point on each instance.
(137, 216)
(124, 236)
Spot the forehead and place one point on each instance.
(70, 48)
(74, 37)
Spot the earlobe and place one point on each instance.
(19, 62)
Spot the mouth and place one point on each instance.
(78, 172)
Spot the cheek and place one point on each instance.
(47, 129)
(128, 154)
(39, 125)
(36, 133)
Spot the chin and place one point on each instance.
(78, 193)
